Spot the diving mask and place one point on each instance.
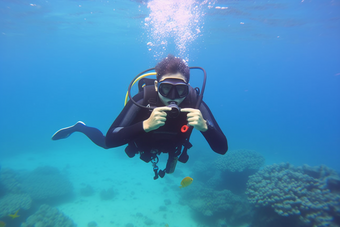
(173, 88)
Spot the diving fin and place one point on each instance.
(66, 132)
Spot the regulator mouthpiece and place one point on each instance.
(174, 112)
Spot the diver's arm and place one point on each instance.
(156, 119)
(195, 119)
(122, 131)
(214, 135)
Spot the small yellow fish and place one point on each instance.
(15, 215)
(2, 224)
(186, 182)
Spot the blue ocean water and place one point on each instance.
(273, 72)
(273, 82)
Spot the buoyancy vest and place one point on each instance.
(169, 137)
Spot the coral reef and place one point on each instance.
(217, 205)
(231, 171)
(47, 216)
(46, 183)
(12, 197)
(11, 202)
(19, 188)
(218, 194)
(240, 161)
(309, 193)
(10, 180)
(41, 184)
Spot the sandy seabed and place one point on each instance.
(138, 198)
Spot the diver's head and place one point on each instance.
(172, 82)
(172, 65)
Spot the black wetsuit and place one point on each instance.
(128, 129)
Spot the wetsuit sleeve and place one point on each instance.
(125, 128)
(214, 135)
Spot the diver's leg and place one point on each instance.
(92, 133)
(95, 135)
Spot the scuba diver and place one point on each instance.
(159, 118)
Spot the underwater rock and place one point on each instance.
(303, 192)
(92, 224)
(167, 202)
(87, 191)
(139, 214)
(107, 194)
(148, 221)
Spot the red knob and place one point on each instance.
(184, 128)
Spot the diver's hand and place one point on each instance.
(156, 119)
(195, 119)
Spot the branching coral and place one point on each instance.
(308, 192)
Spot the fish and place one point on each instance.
(186, 182)
(15, 215)
(2, 224)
